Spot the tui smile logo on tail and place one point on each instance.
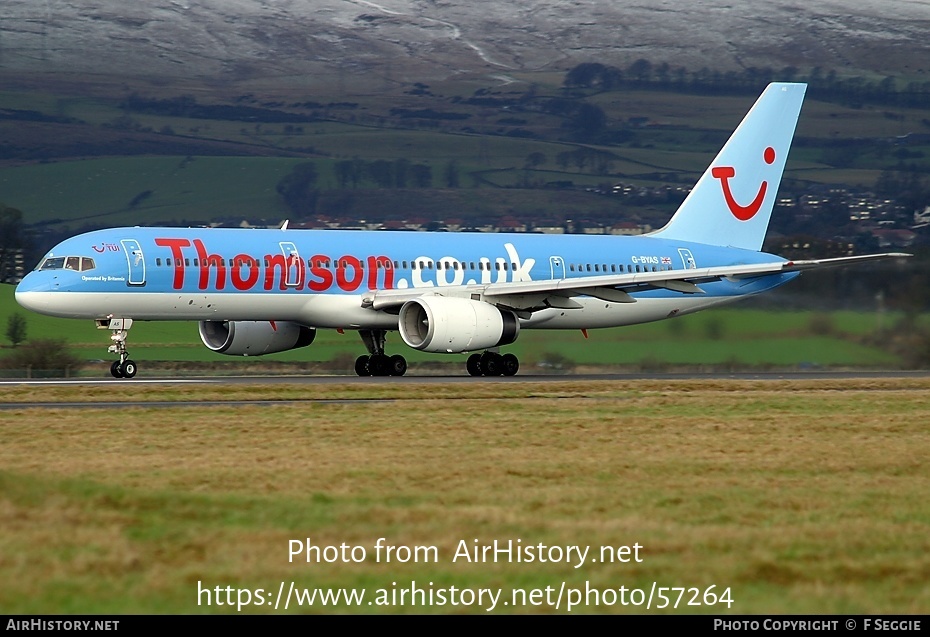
(743, 213)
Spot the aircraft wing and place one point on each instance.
(616, 288)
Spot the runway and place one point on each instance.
(111, 399)
(447, 379)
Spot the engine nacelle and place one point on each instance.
(254, 338)
(452, 325)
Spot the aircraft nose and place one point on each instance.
(31, 292)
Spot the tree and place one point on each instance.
(585, 74)
(344, 172)
(589, 119)
(298, 189)
(452, 175)
(16, 329)
(641, 69)
(381, 172)
(422, 175)
(401, 172)
(534, 159)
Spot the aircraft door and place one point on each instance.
(293, 268)
(687, 259)
(557, 267)
(135, 260)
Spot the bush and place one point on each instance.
(821, 324)
(43, 358)
(714, 328)
(556, 361)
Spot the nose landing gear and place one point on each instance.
(124, 367)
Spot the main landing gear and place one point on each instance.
(124, 367)
(377, 363)
(492, 364)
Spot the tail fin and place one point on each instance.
(732, 201)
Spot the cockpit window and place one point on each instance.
(79, 264)
(53, 263)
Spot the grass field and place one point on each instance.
(733, 338)
(799, 497)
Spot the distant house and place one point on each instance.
(547, 229)
(416, 223)
(894, 237)
(510, 224)
(628, 228)
(12, 268)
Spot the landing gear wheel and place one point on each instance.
(473, 365)
(509, 364)
(361, 366)
(397, 365)
(128, 369)
(379, 365)
(115, 370)
(491, 364)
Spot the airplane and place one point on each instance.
(260, 291)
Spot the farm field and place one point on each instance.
(776, 497)
(209, 169)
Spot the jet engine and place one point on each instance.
(452, 325)
(254, 338)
